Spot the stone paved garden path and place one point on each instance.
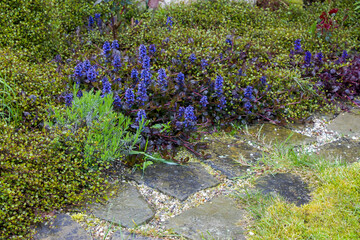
(194, 201)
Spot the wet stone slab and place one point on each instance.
(287, 185)
(126, 235)
(273, 134)
(227, 166)
(177, 181)
(218, 219)
(344, 150)
(63, 228)
(346, 124)
(127, 208)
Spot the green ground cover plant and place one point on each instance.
(180, 69)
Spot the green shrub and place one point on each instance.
(41, 172)
(109, 136)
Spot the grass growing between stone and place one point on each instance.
(332, 213)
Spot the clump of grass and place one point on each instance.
(333, 212)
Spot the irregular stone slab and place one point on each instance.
(218, 219)
(239, 151)
(227, 166)
(344, 149)
(287, 185)
(177, 181)
(63, 228)
(127, 208)
(126, 235)
(346, 124)
(273, 134)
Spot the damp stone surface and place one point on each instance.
(218, 219)
(63, 228)
(179, 181)
(347, 123)
(127, 208)
(272, 134)
(287, 185)
(345, 150)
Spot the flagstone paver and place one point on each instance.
(346, 124)
(228, 167)
(63, 228)
(287, 185)
(344, 149)
(127, 208)
(177, 181)
(126, 235)
(218, 219)
(273, 134)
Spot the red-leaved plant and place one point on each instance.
(326, 24)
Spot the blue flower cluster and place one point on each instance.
(90, 22)
(248, 93)
(134, 75)
(222, 103)
(344, 55)
(180, 80)
(219, 81)
(106, 49)
(146, 76)
(79, 94)
(228, 41)
(192, 58)
(320, 57)
(162, 79)
(248, 106)
(86, 65)
(146, 62)
(204, 63)
(68, 99)
(307, 58)
(117, 101)
(181, 112)
(115, 44)
(204, 101)
(106, 86)
(142, 95)
(297, 46)
(78, 70)
(169, 22)
(189, 116)
(142, 52)
(263, 80)
(98, 19)
(116, 62)
(152, 49)
(130, 97)
(141, 115)
(91, 74)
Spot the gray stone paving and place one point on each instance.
(177, 181)
(127, 208)
(218, 219)
(347, 124)
(63, 228)
(272, 134)
(287, 185)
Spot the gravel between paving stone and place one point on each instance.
(167, 207)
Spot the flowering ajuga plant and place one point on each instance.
(146, 62)
(106, 49)
(204, 101)
(115, 44)
(146, 76)
(192, 58)
(204, 63)
(78, 71)
(106, 86)
(130, 97)
(248, 93)
(117, 101)
(152, 49)
(98, 19)
(91, 75)
(169, 23)
(189, 116)
(219, 81)
(297, 46)
(180, 80)
(142, 95)
(222, 103)
(90, 22)
(141, 116)
(116, 62)
(86, 65)
(68, 99)
(142, 52)
(181, 112)
(320, 57)
(162, 79)
(307, 59)
(134, 75)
